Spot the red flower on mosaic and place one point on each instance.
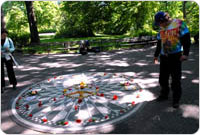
(44, 120)
(66, 123)
(115, 97)
(78, 121)
(106, 117)
(27, 106)
(76, 107)
(79, 100)
(40, 104)
(133, 103)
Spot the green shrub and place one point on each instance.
(20, 39)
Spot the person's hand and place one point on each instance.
(183, 58)
(155, 60)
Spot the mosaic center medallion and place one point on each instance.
(78, 103)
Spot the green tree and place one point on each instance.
(79, 18)
(47, 15)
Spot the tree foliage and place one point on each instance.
(79, 18)
(47, 15)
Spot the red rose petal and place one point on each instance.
(27, 106)
(80, 100)
(106, 117)
(90, 120)
(133, 103)
(121, 111)
(54, 99)
(76, 107)
(102, 95)
(40, 104)
(66, 123)
(78, 121)
(44, 120)
(115, 97)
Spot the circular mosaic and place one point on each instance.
(77, 103)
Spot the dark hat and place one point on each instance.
(159, 17)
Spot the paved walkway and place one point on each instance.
(152, 118)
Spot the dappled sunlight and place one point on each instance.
(187, 72)
(190, 111)
(118, 63)
(105, 58)
(155, 75)
(148, 82)
(77, 79)
(5, 125)
(93, 70)
(83, 115)
(58, 65)
(32, 68)
(18, 67)
(195, 81)
(183, 77)
(106, 128)
(62, 55)
(141, 64)
(109, 69)
(138, 97)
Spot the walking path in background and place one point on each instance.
(152, 118)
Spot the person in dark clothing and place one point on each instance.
(84, 47)
(7, 47)
(173, 47)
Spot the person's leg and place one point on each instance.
(11, 73)
(164, 78)
(176, 80)
(2, 75)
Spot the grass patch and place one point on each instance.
(94, 41)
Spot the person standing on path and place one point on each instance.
(173, 47)
(7, 47)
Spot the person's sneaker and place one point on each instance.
(14, 87)
(175, 105)
(161, 98)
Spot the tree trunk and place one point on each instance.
(3, 23)
(184, 10)
(32, 22)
